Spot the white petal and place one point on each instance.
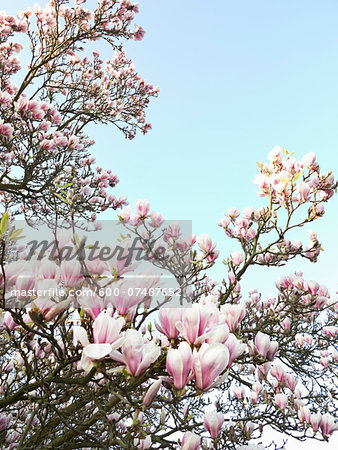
(97, 351)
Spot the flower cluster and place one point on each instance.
(288, 182)
(204, 329)
(44, 158)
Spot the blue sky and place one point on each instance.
(236, 79)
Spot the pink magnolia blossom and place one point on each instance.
(173, 232)
(281, 401)
(264, 347)
(286, 324)
(70, 273)
(308, 338)
(250, 234)
(91, 303)
(254, 398)
(96, 266)
(6, 130)
(142, 207)
(217, 333)
(213, 422)
(320, 209)
(299, 338)
(107, 329)
(56, 308)
(124, 302)
(208, 247)
(313, 236)
(25, 281)
(208, 363)
(233, 314)
(291, 381)
(263, 183)
(257, 387)
(107, 337)
(231, 277)
(272, 350)
(233, 212)
(249, 428)
(304, 414)
(316, 420)
(331, 331)
(313, 287)
(152, 392)
(200, 323)
(239, 392)
(248, 213)
(303, 192)
(309, 159)
(205, 243)
(262, 344)
(275, 154)
(224, 222)
(138, 34)
(168, 318)
(179, 364)
(325, 362)
(145, 443)
(194, 322)
(136, 354)
(235, 347)
(328, 425)
(156, 219)
(237, 258)
(190, 441)
(48, 269)
(8, 320)
(279, 373)
(5, 420)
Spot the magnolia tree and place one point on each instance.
(93, 357)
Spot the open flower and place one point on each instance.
(107, 337)
(136, 354)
